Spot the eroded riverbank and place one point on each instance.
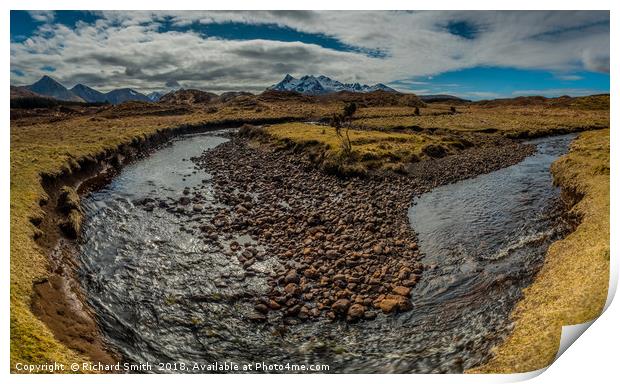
(202, 278)
(571, 287)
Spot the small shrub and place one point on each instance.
(338, 121)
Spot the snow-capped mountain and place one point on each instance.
(311, 85)
(155, 96)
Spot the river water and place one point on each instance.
(163, 296)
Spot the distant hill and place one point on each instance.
(226, 96)
(365, 99)
(189, 96)
(271, 95)
(600, 101)
(376, 98)
(17, 92)
(46, 86)
(443, 99)
(321, 85)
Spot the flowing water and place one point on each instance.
(163, 296)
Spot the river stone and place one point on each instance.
(394, 303)
(274, 305)
(262, 308)
(292, 289)
(184, 200)
(257, 317)
(291, 277)
(403, 291)
(355, 312)
(341, 306)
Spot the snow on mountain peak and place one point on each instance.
(319, 85)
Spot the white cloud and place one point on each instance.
(42, 16)
(128, 49)
(569, 77)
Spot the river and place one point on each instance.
(161, 295)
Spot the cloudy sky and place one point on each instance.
(474, 54)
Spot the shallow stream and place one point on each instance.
(162, 295)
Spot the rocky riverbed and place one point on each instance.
(342, 248)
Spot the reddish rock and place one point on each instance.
(292, 289)
(341, 306)
(394, 303)
(274, 305)
(311, 273)
(400, 290)
(355, 312)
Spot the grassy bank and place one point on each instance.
(370, 149)
(571, 287)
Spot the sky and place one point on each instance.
(470, 54)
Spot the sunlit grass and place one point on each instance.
(510, 121)
(571, 287)
(370, 148)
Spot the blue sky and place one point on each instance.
(471, 54)
(492, 82)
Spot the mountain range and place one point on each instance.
(320, 85)
(306, 85)
(46, 86)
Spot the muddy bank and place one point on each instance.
(345, 245)
(58, 300)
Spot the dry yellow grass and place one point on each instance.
(400, 111)
(370, 148)
(571, 287)
(511, 121)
